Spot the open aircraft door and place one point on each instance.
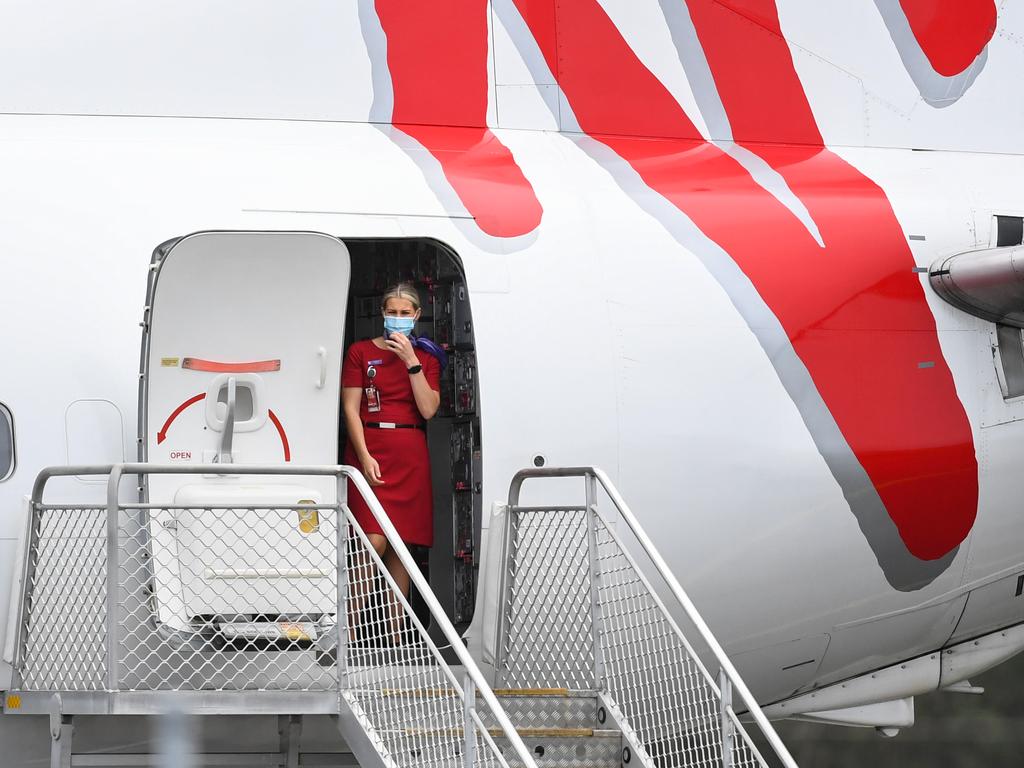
(241, 365)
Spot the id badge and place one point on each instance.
(372, 399)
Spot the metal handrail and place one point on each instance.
(436, 611)
(342, 473)
(738, 685)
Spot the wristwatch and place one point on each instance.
(413, 369)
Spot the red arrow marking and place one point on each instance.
(284, 437)
(162, 434)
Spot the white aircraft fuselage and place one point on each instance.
(740, 329)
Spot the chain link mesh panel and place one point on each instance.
(657, 683)
(246, 599)
(409, 700)
(227, 599)
(64, 623)
(548, 635)
(664, 696)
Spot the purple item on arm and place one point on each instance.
(432, 348)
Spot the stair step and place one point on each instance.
(501, 693)
(547, 708)
(603, 749)
(533, 733)
(511, 693)
(563, 733)
(550, 747)
(417, 693)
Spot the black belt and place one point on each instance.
(390, 425)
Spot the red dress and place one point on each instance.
(407, 495)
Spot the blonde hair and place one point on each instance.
(404, 290)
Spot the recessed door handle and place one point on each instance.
(322, 354)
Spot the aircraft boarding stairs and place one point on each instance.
(582, 663)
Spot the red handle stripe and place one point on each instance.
(212, 366)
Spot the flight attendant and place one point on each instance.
(389, 390)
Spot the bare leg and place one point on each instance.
(362, 579)
(401, 577)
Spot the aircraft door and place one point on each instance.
(242, 365)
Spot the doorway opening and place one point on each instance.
(453, 435)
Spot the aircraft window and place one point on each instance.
(6, 443)
(1009, 230)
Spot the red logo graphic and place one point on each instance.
(437, 56)
(853, 308)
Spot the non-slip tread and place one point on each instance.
(561, 693)
(533, 733)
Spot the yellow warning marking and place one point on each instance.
(170, 362)
(13, 701)
(309, 519)
(293, 631)
(568, 733)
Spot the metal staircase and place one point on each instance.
(580, 606)
(592, 669)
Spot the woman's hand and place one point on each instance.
(399, 344)
(371, 470)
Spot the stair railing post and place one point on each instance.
(595, 582)
(469, 727)
(27, 594)
(341, 578)
(113, 578)
(725, 707)
(444, 624)
(505, 586)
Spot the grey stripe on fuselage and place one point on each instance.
(377, 50)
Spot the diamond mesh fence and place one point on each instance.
(548, 640)
(219, 599)
(300, 599)
(64, 623)
(658, 684)
(412, 704)
(576, 603)
(227, 599)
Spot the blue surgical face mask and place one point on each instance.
(402, 325)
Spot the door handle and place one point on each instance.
(226, 445)
(322, 354)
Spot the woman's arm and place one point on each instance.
(351, 398)
(427, 400)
